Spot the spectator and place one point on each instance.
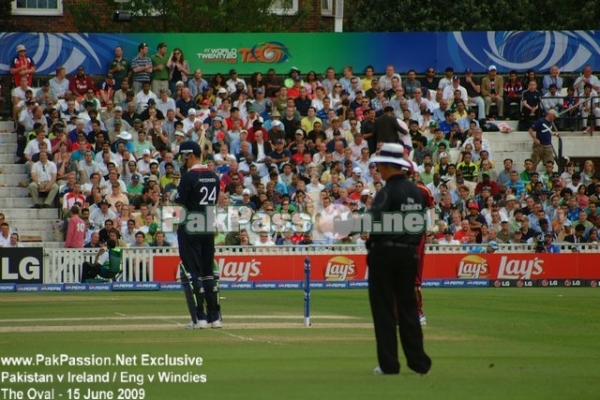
(590, 109)
(531, 105)
(43, 182)
(448, 239)
(462, 234)
(80, 83)
(586, 78)
(492, 247)
(120, 67)
(468, 168)
(5, 233)
(518, 238)
(94, 241)
(552, 78)
(504, 235)
(572, 110)
(114, 234)
(307, 240)
(264, 240)
(140, 240)
(14, 240)
(578, 236)
(116, 196)
(159, 240)
(492, 90)
(22, 66)
(141, 67)
(516, 185)
(504, 175)
(76, 229)
(552, 100)
(529, 235)
(73, 197)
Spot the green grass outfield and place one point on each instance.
(538, 343)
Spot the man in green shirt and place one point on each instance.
(120, 67)
(135, 187)
(107, 263)
(525, 175)
(160, 71)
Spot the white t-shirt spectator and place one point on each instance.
(33, 147)
(44, 172)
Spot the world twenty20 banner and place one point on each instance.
(252, 52)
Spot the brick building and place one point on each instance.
(97, 16)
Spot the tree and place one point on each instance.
(6, 21)
(189, 16)
(469, 15)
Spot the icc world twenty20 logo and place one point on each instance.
(266, 52)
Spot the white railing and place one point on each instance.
(64, 265)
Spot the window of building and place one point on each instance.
(37, 7)
(285, 7)
(327, 7)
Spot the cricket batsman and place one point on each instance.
(198, 190)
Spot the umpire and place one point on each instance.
(197, 191)
(392, 259)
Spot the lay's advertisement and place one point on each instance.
(273, 267)
(352, 266)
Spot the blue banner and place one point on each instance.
(99, 287)
(7, 287)
(285, 285)
(76, 287)
(265, 285)
(171, 286)
(52, 287)
(251, 52)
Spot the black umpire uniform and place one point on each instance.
(393, 261)
(198, 189)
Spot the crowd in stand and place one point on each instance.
(107, 152)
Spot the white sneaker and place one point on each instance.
(218, 324)
(378, 371)
(201, 324)
(423, 320)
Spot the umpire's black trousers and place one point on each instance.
(392, 272)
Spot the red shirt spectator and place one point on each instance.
(76, 230)
(22, 66)
(80, 83)
(462, 235)
(252, 134)
(493, 185)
